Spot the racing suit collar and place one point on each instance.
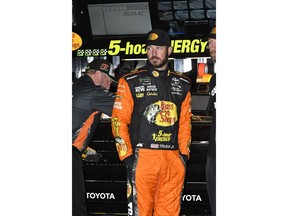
(157, 73)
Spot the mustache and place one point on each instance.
(154, 57)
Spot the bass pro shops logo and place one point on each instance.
(161, 113)
(121, 146)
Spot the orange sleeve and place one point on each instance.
(120, 119)
(185, 128)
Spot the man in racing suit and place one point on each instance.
(152, 129)
(90, 98)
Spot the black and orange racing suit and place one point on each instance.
(88, 102)
(152, 129)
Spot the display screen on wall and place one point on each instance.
(119, 18)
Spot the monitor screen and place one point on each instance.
(200, 104)
(119, 18)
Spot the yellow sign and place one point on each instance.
(178, 46)
(76, 41)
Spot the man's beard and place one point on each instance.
(158, 64)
